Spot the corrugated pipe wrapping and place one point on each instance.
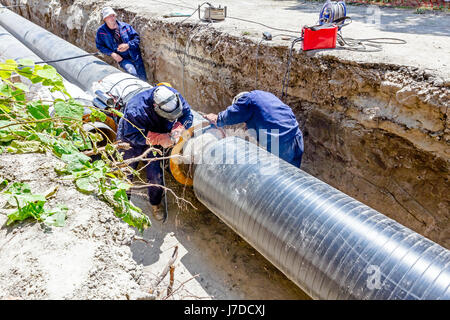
(329, 244)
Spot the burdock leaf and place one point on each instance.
(38, 110)
(57, 217)
(87, 184)
(97, 115)
(26, 62)
(21, 86)
(48, 72)
(27, 146)
(69, 109)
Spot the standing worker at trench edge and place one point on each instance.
(264, 113)
(120, 41)
(156, 117)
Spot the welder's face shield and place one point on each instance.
(170, 109)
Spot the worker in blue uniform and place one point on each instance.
(265, 114)
(154, 117)
(120, 41)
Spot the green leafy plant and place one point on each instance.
(31, 205)
(28, 126)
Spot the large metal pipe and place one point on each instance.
(11, 48)
(89, 73)
(81, 71)
(331, 245)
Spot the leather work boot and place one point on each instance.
(158, 212)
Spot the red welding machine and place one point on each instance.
(319, 37)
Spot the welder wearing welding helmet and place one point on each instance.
(155, 117)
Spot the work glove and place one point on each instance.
(177, 130)
(162, 139)
(212, 118)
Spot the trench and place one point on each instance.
(376, 131)
(368, 157)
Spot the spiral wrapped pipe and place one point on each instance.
(329, 244)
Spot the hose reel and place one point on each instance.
(332, 11)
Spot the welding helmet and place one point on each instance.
(167, 103)
(240, 95)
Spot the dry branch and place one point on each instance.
(177, 198)
(119, 145)
(167, 268)
(172, 276)
(181, 285)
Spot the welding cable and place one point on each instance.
(221, 130)
(262, 24)
(115, 84)
(357, 45)
(256, 62)
(198, 8)
(288, 68)
(257, 54)
(230, 17)
(69, 58)
(166, 210)
(182, 60)
(362, 44)
(186, 48)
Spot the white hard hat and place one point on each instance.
(240, 95)
(167, 103)
(107, 11)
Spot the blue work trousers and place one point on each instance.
(135, 68)
(292, 151)
(153, 171)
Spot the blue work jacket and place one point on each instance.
(106, 43)
(140, 111)
(263, 110)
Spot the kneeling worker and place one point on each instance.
(162, 114)
(120, 41)
(265, 113)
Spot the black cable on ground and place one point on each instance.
(69, 58)
(166, 210)
(174, 4)
(231, 17)
(361, 45)
(198, 8)
(262, 24)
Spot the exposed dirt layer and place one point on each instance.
(88, 258)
